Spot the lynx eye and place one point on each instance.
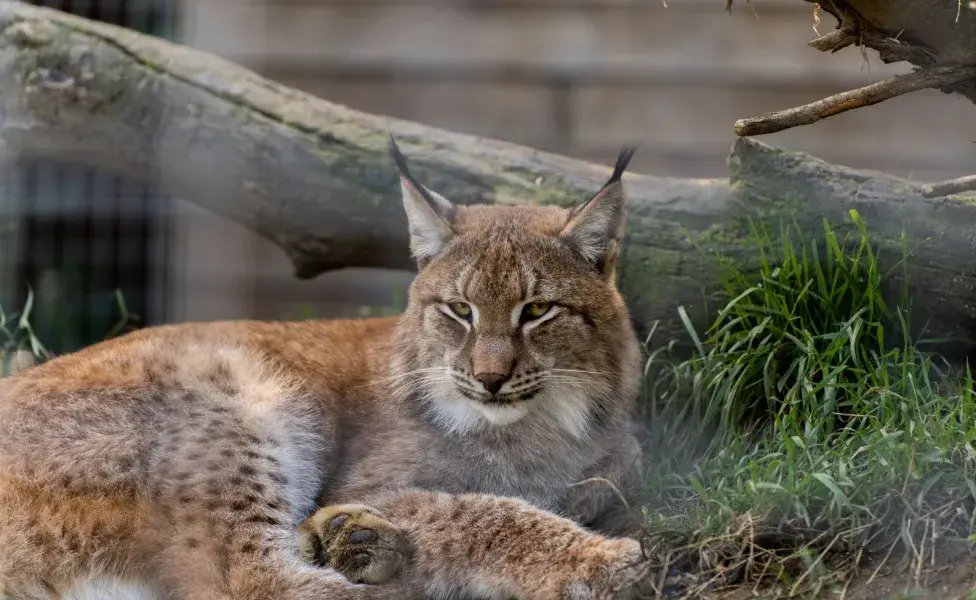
(534, 310)
(461, 309)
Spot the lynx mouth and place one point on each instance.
(511, 397)
(502, 399)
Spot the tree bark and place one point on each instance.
(316, 178)
(921, 32)
(938, 37)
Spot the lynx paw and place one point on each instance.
(625, 578)
(354, 540)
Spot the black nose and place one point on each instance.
(492, 381)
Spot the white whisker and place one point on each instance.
(414, 372)
(577, 371)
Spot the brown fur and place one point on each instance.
(184, 457)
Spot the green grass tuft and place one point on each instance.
(21, 346)
(807, 432)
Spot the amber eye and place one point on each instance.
(461, 309)
(534, 310)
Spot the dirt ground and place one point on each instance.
(951, 576)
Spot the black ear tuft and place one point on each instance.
(595, 228)
(623, 159)
(401, 164)
(429, 215)
(398, 157)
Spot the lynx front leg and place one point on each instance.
(487, 546)
(595, 501)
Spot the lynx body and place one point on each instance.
(180, 460)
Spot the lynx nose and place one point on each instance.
(492, 381)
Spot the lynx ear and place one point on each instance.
(429, 214)
(595, 228)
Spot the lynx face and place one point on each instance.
(515, 311)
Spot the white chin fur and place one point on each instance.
(567, 409)
(109, 589)
(458, 414)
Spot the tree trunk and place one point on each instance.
(316, 178)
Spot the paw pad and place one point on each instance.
(354, 540)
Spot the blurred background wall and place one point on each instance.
(577, 77)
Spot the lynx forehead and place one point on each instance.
(518, 306)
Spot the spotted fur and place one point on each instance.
(188, 461)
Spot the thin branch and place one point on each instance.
(837, 39)
(943, 76)
(952, 186)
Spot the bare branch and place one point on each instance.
(952, 186)
(834, 41)
(942, 77)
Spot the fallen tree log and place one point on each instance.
(316, 178)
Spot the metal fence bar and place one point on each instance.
(81, 233)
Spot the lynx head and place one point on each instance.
(514, 314)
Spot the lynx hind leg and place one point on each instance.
(356, 541)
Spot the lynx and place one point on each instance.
(444, 446)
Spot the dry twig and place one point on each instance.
(837, 39)
(952, 186)
(943, 76)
